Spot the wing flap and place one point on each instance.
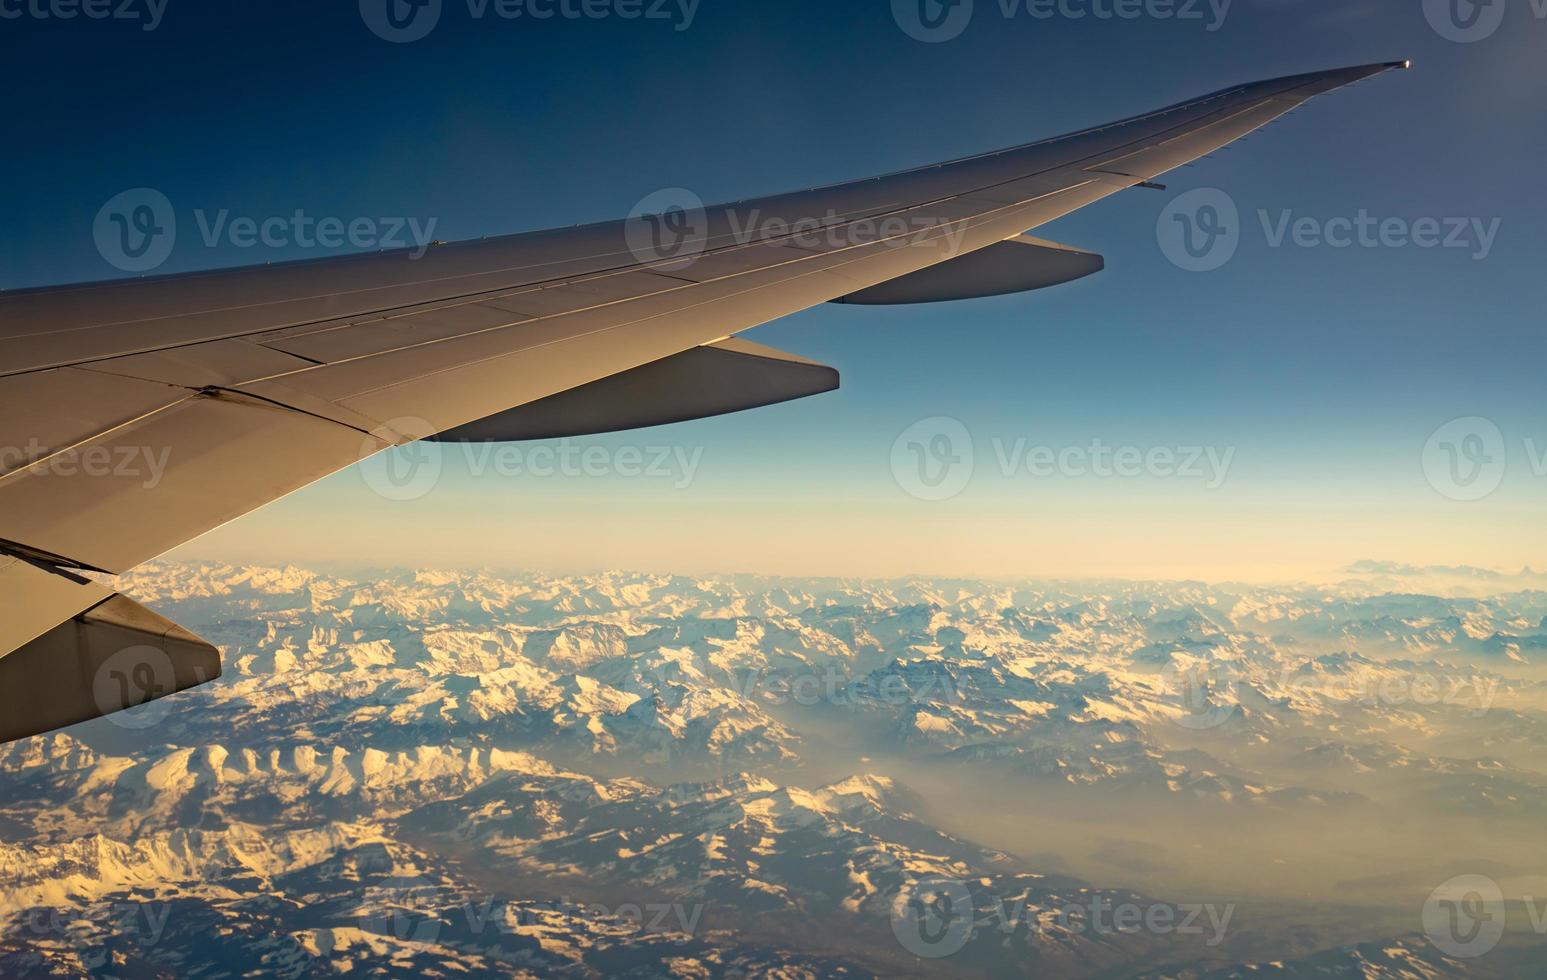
(113, 656)
(729, 376)
(1020, 264)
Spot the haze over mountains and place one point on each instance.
(441, 772)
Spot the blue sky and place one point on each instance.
(1323, 372)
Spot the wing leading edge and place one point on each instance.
(248, 384)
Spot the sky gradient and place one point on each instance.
(1325, 375)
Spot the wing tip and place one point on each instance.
(1300, 88)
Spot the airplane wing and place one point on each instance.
(252, 383)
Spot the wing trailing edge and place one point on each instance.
(1018, 265)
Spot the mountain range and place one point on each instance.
(466, 773)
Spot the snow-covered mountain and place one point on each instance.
(451, 772)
